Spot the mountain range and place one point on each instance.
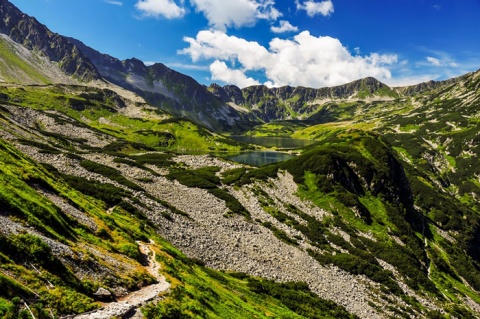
(116, 199)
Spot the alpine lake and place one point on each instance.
(261, 157)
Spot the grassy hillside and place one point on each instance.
(32, 272)
(429, 237)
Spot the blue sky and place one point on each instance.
(312, 43)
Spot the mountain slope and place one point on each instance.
(32, 35)
(321, 105)
(171, 91)
(161, 86)
(18, 64)
(299, 102)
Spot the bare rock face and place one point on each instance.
(103, 294)
(165, 88)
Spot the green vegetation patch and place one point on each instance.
(11, 61)
(109, 172)
(298, 297)
(233, 175)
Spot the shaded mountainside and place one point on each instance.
(287, 102)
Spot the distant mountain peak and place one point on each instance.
(134, 65)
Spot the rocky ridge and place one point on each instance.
(165, 88)
(287, 102)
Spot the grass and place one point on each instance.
(12, 61)
(276, 129)
(18, 177)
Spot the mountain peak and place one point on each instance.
(369, 82)
(134, 65)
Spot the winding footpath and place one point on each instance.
(136, 299)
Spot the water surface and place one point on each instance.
(260, 158)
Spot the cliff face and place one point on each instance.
(33, 35)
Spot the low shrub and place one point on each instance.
(233, 175)
(109, 172)
(298, 297)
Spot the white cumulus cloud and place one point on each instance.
(314, 8)
(284, 26)
(222, 14)
(160, 8)
(221, 72)
(305, 60)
